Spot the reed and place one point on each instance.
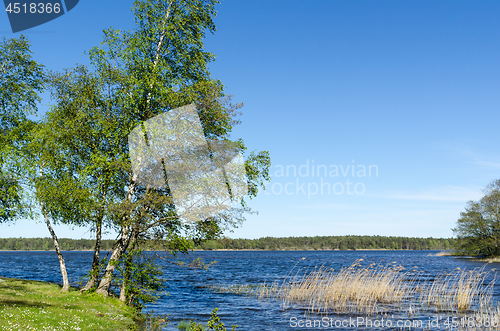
(378, 289)
(442, 253)
(459, 291)
(355, 289)
(485, 319)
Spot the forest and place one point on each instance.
(331, 243)
(47, 244)
(267, 243)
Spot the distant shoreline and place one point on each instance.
(48, 250)
(242, 250)
(319, 243)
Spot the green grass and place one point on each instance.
(33, 305)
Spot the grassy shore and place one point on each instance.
(33, 305)
(490, 259)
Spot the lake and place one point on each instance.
(190, 297)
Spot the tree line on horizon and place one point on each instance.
(47, 244)
(331, 243)
(266, 243)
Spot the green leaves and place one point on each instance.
(77, 158)
(10, 198)
(81, 149)
(164, 54)
(478, 228)
(21, 81)
(214, 323)
(159, 66)
(257, 168)
(142, 276)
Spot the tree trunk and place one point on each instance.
(127, 272)
(64, 273)
(118, 251)
(126, 276)
(94, 271)
(58, 251)
(119, 248)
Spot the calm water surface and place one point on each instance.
(189, 298)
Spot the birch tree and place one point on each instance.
(21, 82)
(135, 75)
(165, 66)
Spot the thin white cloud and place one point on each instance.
(487, 164)
(447, 193)
(485, 161)
(332, 206)
(480, 159)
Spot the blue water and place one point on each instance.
(189, 298)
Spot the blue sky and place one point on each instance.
(410, 88)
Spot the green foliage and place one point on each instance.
(76, 160)
(46, 244)
(84, 129)
(214, 323)
(10, 197)
(197, 263)
(135, 75)
(142, 278)
(257, 168)
(270, 243)
(185, 325)
(21, 81)
(478, 228)
(153, 322)
(329, 243)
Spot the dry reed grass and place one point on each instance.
(459, 291)
(377, 289)
(442, 253)
(356, 289)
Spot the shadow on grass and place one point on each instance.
(27, 293)
(22, 303)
